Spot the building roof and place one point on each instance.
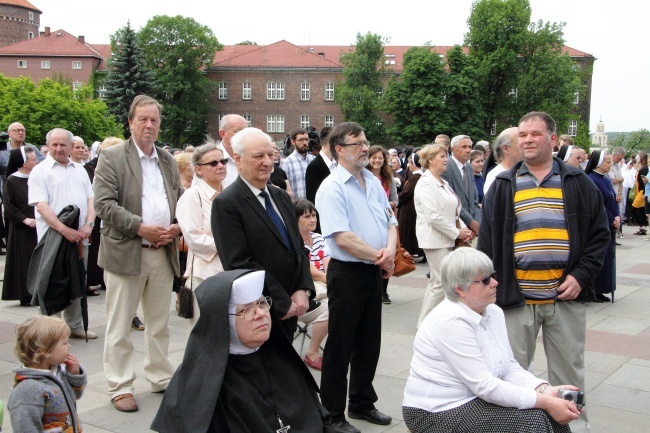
(281, 54)
(576, 53)
(21, 3)
(52, 44)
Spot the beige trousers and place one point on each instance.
(434, 294)
(153, 289)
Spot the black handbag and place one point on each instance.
(186, 302)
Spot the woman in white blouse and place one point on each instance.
(437, 226)
(463, 375)
(193, 214)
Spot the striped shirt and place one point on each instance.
(541, 240)
(317, 251)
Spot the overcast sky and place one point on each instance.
(615, 32)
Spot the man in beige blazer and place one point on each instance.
(136, 189)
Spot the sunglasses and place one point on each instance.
(216, 162)
(486, 281)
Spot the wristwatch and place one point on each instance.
(90, 224)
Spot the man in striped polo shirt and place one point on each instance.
(545, 228)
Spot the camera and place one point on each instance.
(578, 397)
(4, 138)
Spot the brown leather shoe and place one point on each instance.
(125, 403)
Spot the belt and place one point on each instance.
(539, 301)
(150, 247)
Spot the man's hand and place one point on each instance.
(71, 235)
(299, 304)
(569, 289)
(153, 233)
(474, 226)
(31, 222)
(385, 258)
(85, 231)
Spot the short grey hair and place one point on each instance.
(457, 139)
(68, 134)
(200, 151)
(237, 141)
(77, 138)
(462, 267)
(497, 146)
(618, 151)
(227, 120)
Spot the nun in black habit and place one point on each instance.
(240, 372)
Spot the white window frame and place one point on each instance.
(248, 119)
(102, 91)
(329, 91)
(22, 64)
(247, 91)
(220, 118)
(275, 91)
(30, 35)
(31, 16)
(305, 92)
(329, 120)
(573, 128)
(576, 97)
(275, 123)
(45, 64)
(390, 59)
(223, 90)
(514, 92)
(304, 122)
(493, 128)
(77, 85)
(76, 64)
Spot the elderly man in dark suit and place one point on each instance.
(460, 176)
(255, 227)
(136, 189)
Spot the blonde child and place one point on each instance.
(49, 382)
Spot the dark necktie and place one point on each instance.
(276, 218)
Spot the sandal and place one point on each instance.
(92, 292)
(137, 324)
(641, 232)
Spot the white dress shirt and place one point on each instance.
(489, 179)
(460, 355)
(231, 167)
(155, 206)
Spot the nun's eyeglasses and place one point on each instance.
(248, 313)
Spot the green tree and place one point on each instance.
(178, 49)
(54, 105)
(498, 31)
(247, 42)
(415, 100)
(359, 96)
(638, 140)
(128, 76)
(463, 100)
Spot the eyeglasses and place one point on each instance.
(248, 313)
(486, 281)
(359, 144)
(17, 130)
(302, 139)
(216, 162)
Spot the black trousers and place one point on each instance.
(354, 339)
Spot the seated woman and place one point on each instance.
(318, 317)
(464, 377)
(240, 372)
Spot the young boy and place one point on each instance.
(50, 380)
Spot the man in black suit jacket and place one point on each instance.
(319, 169)
(463, 184)
(250, 236)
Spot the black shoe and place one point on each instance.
(385, 299)
(428, 274)
(374, 417)
(602, 298)
(343, 427)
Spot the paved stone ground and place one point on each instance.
(617, 358)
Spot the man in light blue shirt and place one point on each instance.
(360, 231)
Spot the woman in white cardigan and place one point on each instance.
(438, 225)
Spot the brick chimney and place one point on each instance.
(47, 31)
(82, 39)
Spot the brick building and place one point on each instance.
(19, 20)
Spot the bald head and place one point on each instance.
(16, 135)
(230, 125)
(506, 147)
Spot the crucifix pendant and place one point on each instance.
(283, 428)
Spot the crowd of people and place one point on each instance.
(517, 236)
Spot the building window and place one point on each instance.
(304, 92)
(30, 35)
(573, 128)
(247, 91)
(102, 91)
(390, 59)
(247, 117)
(223, 90)
(22, 64)
(513, 93)
(274, 123)
(76, 65)
(329, 91)
(329, 120)
(220, 120)
(45, 64)
(493, 128)
(31, 16)
(76, 85)
(576, 98)
(304, 122)
(275, 91)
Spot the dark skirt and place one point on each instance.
(605, 281)
(21, 241)
(479, 416)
